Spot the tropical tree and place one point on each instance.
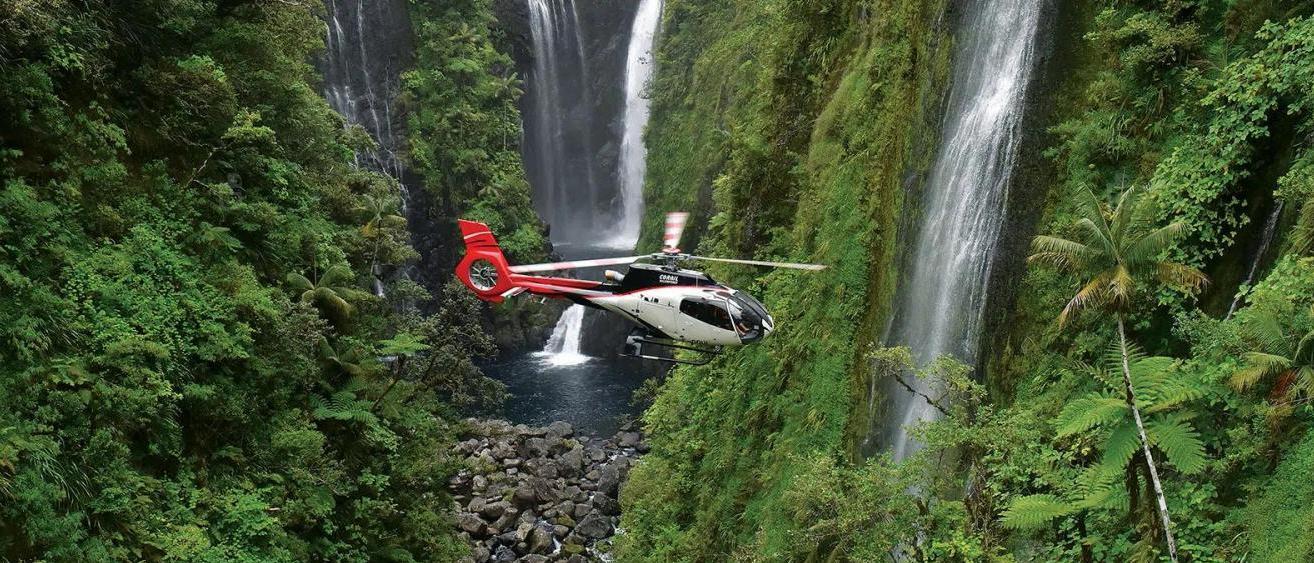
(382, 220)
(1277, 354)
(1105, 416)
(1116, 252)
(330, 293)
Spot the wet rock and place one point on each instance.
(628, 439)
(609, 479)
(471, 524)
(540, 540)
(560, 429)
(606, 505)
(534, 558)
(594, 527)
(560, 531)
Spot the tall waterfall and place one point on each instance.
(562, 347)
(941, 303)
(639, 65)
(367, 46)
(559, 154)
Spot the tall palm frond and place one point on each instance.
(1111, 250)
(331, 293)
(1275, 355)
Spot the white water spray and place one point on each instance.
(1266, 240)
(562, 348)
(942, 302)
(639, 65)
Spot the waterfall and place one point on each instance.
(1265, 241)
(367, 45)
(941, 303)
(639, 65)
(559, 153)
(562, 348)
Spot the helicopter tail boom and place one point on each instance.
(485, 271)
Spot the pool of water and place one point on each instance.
(592, 393)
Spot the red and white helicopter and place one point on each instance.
(673, 307)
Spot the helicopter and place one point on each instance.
(672, 307)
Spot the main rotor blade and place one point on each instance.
(794, 265)
(573, 264)
(675, 221)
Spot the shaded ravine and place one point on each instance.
(593, 205)
(941, 302)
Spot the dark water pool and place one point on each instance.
(595, 395)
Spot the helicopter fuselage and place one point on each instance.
(667, 302)
(686, 306)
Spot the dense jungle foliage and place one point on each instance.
(794, 126)
(193, 365)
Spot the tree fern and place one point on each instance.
(1179, 441)
(1034, 511)
(1088, 412)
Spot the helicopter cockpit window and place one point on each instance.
(708, 312)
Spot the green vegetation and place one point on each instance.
(819, 110)
(797, 149)
(193, 366)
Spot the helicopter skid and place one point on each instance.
(634, 349)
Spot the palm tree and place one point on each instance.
(383, 218)
(330, 292)
(1276, 355)
(1114, 253)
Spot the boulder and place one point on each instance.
(606, 505)
(571, 463)
(609, 479)
(540, 540)
(524, 496)
(594, 526)
(480, 554)
(494, 510)
(628, 439)
(560, 429)
(472, 524)
(523, 530)
(537, 447)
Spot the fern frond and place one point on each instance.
(1180, 441)
(1088, 412)
(1120, 446)
(1034, 511)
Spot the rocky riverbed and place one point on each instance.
(538, 494)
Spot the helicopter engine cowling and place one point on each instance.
(484, 269)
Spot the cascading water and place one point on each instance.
(362, 72)
(583, 152)
(562, 348)
(1265, 241)
(941, 303)
(559, 154)
(639, 65)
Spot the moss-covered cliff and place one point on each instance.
(791, 129)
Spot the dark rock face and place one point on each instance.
(556, 503)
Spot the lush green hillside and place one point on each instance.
(792, 125)
(796, 122)
(187, 340)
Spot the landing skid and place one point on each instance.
(634, 349)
